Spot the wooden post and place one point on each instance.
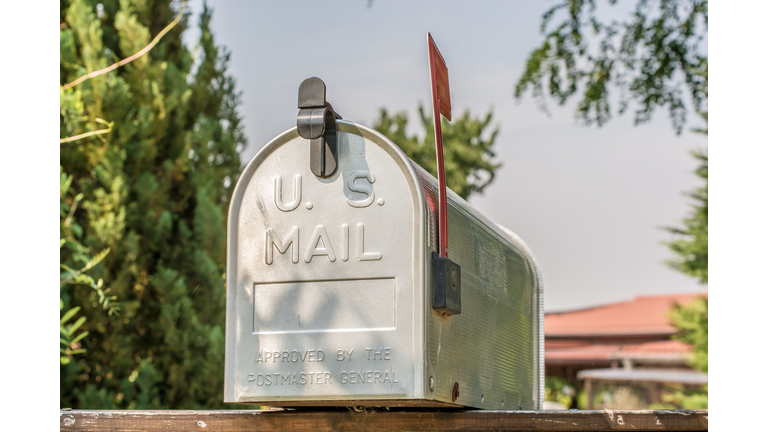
(654, 393)
(382, 420)
(588, 391)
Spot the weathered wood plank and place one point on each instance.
(382, 420)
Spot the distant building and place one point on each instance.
(621, 344)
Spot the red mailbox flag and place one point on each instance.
(441, 104)
(439, 73)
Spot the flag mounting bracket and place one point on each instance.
(316, 122)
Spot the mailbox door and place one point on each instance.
(325, 301)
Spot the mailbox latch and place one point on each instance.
(317, 123)
(446, 285)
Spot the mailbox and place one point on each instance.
(331, 288)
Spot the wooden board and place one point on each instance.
(383, 420)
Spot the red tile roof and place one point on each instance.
(640, 316)
(659, 349)
(586, 353)
(556, 351)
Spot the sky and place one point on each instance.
(590, 202)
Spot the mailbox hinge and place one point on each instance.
(317, 123)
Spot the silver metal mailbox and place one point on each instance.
(328, 287)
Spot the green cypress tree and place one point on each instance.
(155, 178)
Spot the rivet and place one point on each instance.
(309, 206)
(431, 384)
(380, 201)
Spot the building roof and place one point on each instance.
(647, 375)
(644, 315)
(578, 353)
(668, 349)
(558, 351)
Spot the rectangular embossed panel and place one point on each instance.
(324, 306)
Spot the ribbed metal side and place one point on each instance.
(539, 300)
(491, 349)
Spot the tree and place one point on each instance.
(469, 165)
(70, 232)
(692, 320)
(650, 59)
(692, 247)
(153, 147)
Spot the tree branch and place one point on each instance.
(125, 60)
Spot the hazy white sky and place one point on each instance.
(589, 202)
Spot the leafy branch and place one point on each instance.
(70, 345)
(70, 230)
(651, 58)
(78, 277)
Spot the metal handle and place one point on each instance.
(316, 122)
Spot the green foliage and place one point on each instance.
(469, 165)
(68, 340)
(693, 259)
(692, 246)
(692, 321)
(652, 58)
(581, 399)
(70, 232)
(684, 399)
(153, 192)
(559, 390)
